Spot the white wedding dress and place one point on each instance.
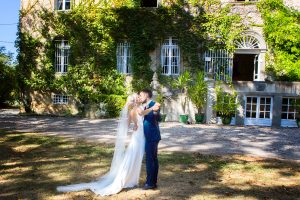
(126, 164)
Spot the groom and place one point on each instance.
(152, 135)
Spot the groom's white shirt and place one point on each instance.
(147, 104)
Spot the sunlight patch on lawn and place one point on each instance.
(33, 165)
(196, 168)
(24, 148)
(11, 164)
(66, 146)
(17, 170)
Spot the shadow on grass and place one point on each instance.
(33, 165)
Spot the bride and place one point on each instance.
(126, 164)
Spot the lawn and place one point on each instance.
(32, 165)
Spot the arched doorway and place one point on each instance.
(247, 59)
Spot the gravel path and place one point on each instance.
(210, 139)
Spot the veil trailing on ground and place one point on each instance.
(120, 143)
(119, 153)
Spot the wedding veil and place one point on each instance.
(120, 143)
(119, 153)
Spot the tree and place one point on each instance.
(8, 84)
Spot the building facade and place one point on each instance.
(261, 101)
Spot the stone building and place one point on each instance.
(261, 100)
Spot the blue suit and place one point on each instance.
(152, 135)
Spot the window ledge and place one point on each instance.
(62, 10)
(244, 3)
(61, 73)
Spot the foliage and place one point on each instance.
(282, 33)
(8, 86)
(222, 26)
(27, 48)
(114, 103)
(159, 98)
(226, 104)
(93, 30)
(197, 91)
(183, 81)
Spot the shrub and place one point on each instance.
(8, 86)
(282, 33)
(197, 91)
(113, 104)
(226, 102)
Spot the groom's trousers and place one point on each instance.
(151, 163)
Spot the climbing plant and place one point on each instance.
(282, 33)
(93, 30)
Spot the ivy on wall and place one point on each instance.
(282, 33)
(93, 31)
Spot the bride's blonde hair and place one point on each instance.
(132, 99)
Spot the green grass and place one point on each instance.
(33, 165)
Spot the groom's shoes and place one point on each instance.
(149, 187)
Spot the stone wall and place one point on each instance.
(173, 106)
(277, 90)
(293, 4)
(178, 105)
(42, 104)
(265, 88)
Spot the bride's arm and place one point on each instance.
(145, 112)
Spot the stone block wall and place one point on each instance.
(42, 104)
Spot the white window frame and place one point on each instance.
(218, 63)
(257, 61)
(247, 41)
(157, 3)
(62, 51)
(286, 122)
(170, 52)
(257, 120)
(60, 99)
(64, 2)
(124, 56)
(246, 1)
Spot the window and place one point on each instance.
(62, 50)
(124, 57)
(170, 57)
(218, 63)
(258, 107)
(251, 107)
(63, 4)
(258, 111)
(247, 42)
(265, 107)
(245, 0)
(60, 99)
(290, 107)
(148, 3)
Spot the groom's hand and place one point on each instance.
(157, 104)
(156, 107)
